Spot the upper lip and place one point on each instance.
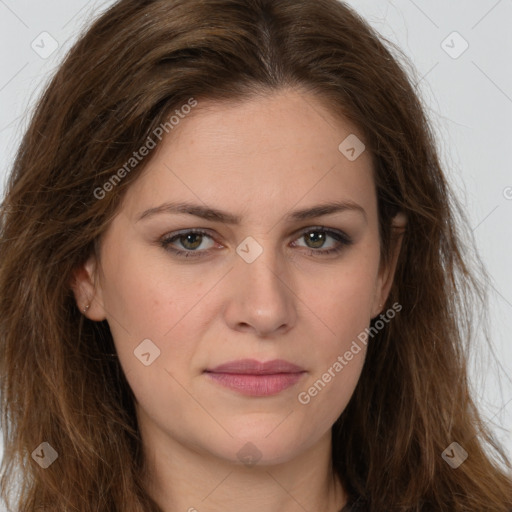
(254, 367)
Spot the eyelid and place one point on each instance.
(330, 231)
(295, 234)
(182, 232)
(342, 238)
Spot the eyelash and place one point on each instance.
(339, 236)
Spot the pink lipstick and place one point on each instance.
(255, 378)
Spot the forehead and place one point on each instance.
(264, 154)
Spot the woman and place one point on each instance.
(232, 277)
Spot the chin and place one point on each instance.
(261, 448)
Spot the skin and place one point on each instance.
(259, 159)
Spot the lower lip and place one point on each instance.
(256, 385)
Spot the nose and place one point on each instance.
(261, 296)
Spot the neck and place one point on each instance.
(181, 477)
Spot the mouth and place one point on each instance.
(254, 378)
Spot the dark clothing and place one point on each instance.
(352, 506)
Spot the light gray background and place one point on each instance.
(469, 99)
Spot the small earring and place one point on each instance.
(86, 308)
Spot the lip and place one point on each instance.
(254, 378)
(254, 367)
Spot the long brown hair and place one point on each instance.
(138, 63)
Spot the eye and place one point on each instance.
(191, 241)
(315, 238)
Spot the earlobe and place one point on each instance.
(387, 272)
(87, 290)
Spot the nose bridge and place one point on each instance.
(261, 260)
(262, 298)
(260, 266)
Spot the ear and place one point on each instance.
(387, 271)
(87, 291)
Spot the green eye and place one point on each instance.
(315, 238)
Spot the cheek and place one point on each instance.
(326, 394)
(148, 298)
(343, 307)
(342, 302)
(145, 294)
(342, 297)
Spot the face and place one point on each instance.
(275, 285)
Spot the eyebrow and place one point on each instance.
(215, 215)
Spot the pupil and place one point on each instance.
(317, 238)
(192, 235)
